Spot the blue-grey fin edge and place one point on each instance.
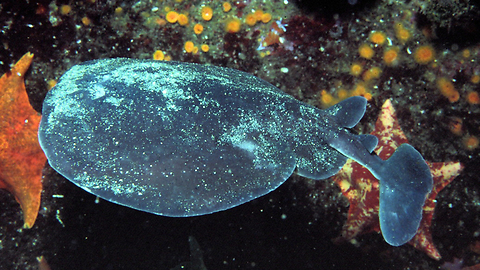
(368, 141)
(348, 112)
(405, 182)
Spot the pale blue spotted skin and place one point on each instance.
(180, 139)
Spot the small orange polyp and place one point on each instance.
(172, 17)
(424, 54)
(233, 25)
(390, 56)
(448, 90)
(189, 46)
(250, 20)
(182, 19)
(207, 13)
(366, 51)
(226, 6)
(378, 37)
(198, 29)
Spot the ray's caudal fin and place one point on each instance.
(405, 181)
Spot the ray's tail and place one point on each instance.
(405, 181)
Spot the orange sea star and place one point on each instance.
(361, 188)
(21, 158)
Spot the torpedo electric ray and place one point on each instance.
(181, 139)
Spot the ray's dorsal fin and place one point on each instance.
(348, 112)
(369, 141)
